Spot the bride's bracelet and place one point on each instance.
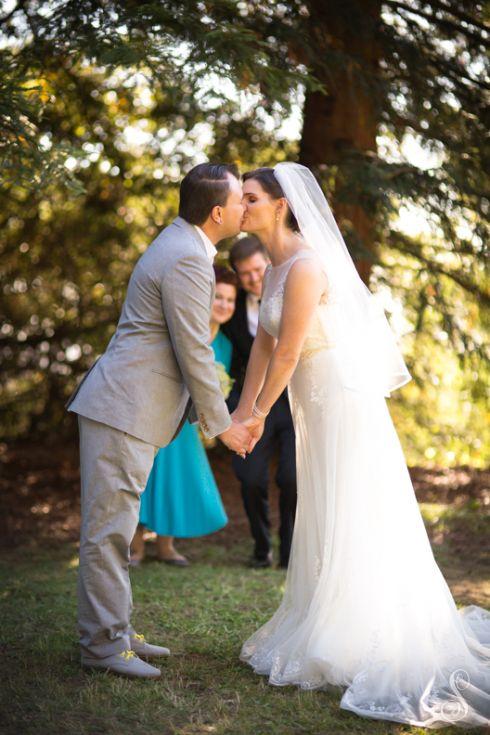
(258, 413)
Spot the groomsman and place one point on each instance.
(249, 260)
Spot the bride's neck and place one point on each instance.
(280, 243)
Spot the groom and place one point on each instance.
(157, 368)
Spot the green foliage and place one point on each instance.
(103, 107)
(25, 161)
(442, 414)
(174, 44)
(66, 258)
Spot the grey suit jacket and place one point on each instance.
(159, 360)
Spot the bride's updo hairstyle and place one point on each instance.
(269, 183)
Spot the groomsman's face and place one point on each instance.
(250, 272)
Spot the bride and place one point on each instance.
(365, 605)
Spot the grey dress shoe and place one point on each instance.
(125, 663)
(176, 562)
(146, 650)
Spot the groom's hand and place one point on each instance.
(237, 438)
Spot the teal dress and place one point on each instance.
(181, 497)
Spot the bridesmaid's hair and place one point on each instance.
(225, 275)
(269, 183)
(204, 187)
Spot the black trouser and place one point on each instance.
(253, 473)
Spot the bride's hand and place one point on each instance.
(256, 429)
(238, 416)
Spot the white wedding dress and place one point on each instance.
(365, 605)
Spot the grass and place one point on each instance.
(203, 613)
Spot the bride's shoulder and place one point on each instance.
(307, 253)
(306, 259)
(306, 266)
(307, 271)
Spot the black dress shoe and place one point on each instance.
(263, 563)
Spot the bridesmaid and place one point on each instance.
(181, 497)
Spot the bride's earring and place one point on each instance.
(277, 215)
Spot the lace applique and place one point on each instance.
(273, 296)
(318, 389)
(271, 311)
(310, 351)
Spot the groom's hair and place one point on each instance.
(204, 187)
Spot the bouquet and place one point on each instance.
(226, 384)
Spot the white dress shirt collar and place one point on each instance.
(210, 249)
(252, 307)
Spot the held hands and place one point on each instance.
(254, 425)
(237, 438)
(256, 429)
(243, 434)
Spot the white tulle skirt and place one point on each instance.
(365, 605)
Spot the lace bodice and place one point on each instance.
(272, 303)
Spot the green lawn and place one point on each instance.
(203, 613)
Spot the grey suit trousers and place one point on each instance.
(114, 468)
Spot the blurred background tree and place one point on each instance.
(105, 105)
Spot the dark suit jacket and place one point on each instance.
(237, 332)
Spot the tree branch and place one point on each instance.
(405, 246)
(434, 19)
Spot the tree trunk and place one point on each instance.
(345, 120)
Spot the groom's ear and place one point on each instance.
(217, 215)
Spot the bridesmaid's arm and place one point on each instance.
(260, 355)
(305, 285)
